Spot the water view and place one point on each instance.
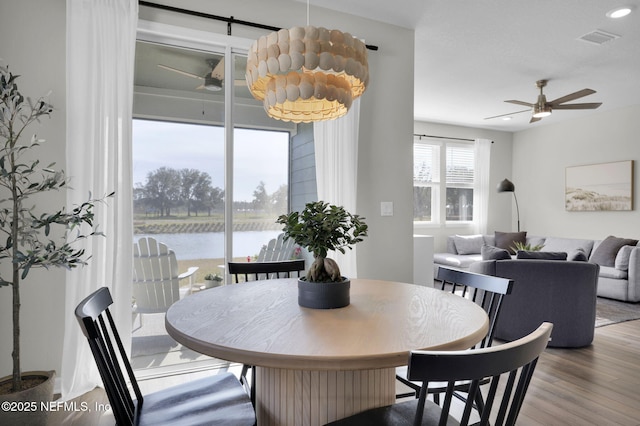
(210, 245)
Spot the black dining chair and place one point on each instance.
(509, 368)
(218, 399)
(256, 271)
(484, 290)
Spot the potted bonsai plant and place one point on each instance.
(321, 227)
(29, 239)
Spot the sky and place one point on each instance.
(258, 155)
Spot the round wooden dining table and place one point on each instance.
(314, 366)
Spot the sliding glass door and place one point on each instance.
(211, 174)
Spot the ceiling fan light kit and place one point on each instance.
(307, 74)
(212, 83)
(212, 80)
(540, 111)
(541, 108)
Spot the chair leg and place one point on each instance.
(249, 387)
(253, 386)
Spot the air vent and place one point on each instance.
(598, 37)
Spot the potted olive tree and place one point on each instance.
(321, 227)
(29, 238)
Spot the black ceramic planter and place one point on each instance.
(323, 295)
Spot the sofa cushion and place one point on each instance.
(494, 253)
(577, 255)
(456, 260)
(609, 272)
(506, 240)
(606, 252)
(468, 244)
(535, 241)
(546, 255)
(490, 240)
(567, 245)
(622, 258)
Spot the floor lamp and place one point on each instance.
(508, 186)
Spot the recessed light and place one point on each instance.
(619, 12)
(507, 118)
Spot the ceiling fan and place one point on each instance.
(542, 108)
(212, 80)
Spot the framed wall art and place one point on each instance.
(599, 187)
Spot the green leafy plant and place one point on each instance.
(321, 227)
(213, 277)
(30, 239)
(520, 246)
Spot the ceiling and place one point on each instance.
(151, 57)
(471, 56)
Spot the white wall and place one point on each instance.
(541, 155)
(33, 45)
(500, 205)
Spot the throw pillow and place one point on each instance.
(622, 258)
(577, 255)
(507, 240)
(605, 254)
(468, 244)
(494, 253)
(544, 255)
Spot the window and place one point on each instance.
(443, 181)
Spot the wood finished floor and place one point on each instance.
(596, 385)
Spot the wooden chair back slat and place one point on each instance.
(255, 271)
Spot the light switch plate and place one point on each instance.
(386, 208)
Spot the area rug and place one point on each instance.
(609, 311)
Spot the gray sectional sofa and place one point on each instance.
(619, 276)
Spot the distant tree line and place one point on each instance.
(167, 189)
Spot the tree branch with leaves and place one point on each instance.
(29, 238)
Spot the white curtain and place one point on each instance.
(336, 151)
(481, 191)
(101, 38)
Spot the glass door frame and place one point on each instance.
(221, 44)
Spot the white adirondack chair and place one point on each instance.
(277, 250)
(155, 277)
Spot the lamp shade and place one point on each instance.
(307, 74)
(506, 186)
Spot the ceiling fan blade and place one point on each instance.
(520, 103)
(593, 105)
(511, 113)
(572, 96)
(218, 70)
(534, 119)
(188, 74)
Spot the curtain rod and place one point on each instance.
(229, 21)
(444, 137)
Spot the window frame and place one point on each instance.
(439, 184)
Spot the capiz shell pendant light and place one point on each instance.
(307, 74)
